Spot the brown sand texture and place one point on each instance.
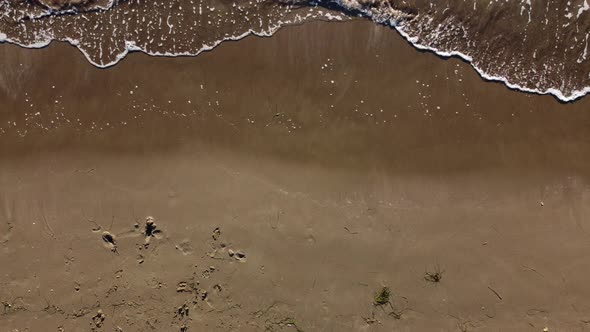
(328, 178)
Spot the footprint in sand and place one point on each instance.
(6, 233)
(185, 247)
(237, 255)
(182, 311)
(216, 247)
(207, 273)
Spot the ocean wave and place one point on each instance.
(105, 34)
(536, 46)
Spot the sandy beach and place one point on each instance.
(290, 179)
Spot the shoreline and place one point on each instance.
(288, 186)
(131, 47)
(498, 126)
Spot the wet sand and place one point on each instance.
(336, 167)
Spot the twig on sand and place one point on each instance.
(350, 232)
(434, 276)
(495, 292)
(50, 231)
(97, 227)
(287, 321)
(531, 269)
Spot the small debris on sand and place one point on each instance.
(382, 297)
(216, 233)
(150, 226)
(240, 256)
(150, 230)
(434, 276)
(110, 241)
(98, 319)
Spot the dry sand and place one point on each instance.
(419, 166)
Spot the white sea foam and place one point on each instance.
(576, 94)
(584, 7)
(131, 46)
(392, 18)
(71, 11)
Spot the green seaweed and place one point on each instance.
(382, 297)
